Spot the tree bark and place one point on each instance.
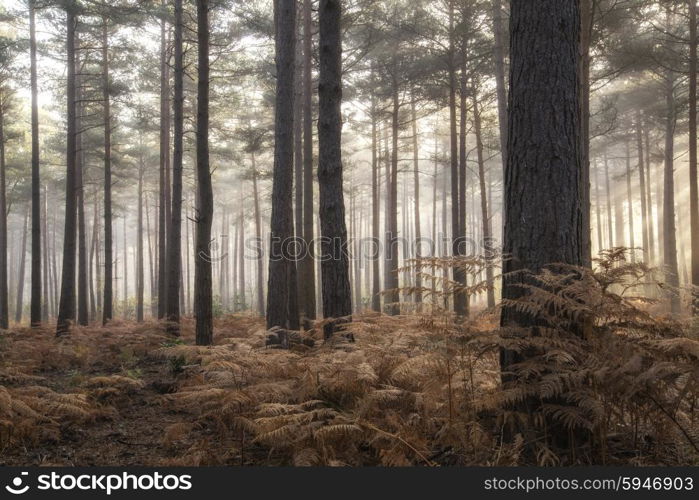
(258, 235)
(337, 299)
(306, 270)
(375, 207)
(642, 183)
(83, 312)
(544, 176)
(108, 294)
(279, 284)
(488, 246)
(164, 183)
(66, 308)
(499, 66)
(205, 200)
(4, 300)
(669, 234)
(20, 274)
(693, 188)
(35, 307)
(416, 207)
(629, 198)
(174, 237)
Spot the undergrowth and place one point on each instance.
(421, 388)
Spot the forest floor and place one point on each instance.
(408, 391)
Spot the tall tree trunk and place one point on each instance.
(241, 258)
(610, 201)
(629, 198)
(139, 243)
(164, 182)
(416, 207)
(47, 309)
(598, 211)
(693, 188)
(642, 183)
(392, 284)
(66, 308)
(280, 284)
(258, 235)
(20, 275)
(91, 259)
(126, 270)
(174, 237)
(306, 270)
(488, 246)
(649, 198)
(669, 236)
(459, 298)
(108, 294)
(4, 304)
(543, 204)
(35, 307)
(375, 207)
(151, 265)
(587, 10)
(337, 299)
(499, 66)
(203, 299)
(83, 313)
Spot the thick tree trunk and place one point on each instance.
(108, 299)
(587, 21)
(337, 299)
(35, 307)
(306, 270)
(66, 308)
(544, 176)
(205, 200)
(174, 237)
(280, 284)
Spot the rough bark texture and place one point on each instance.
(35, 307)
(544, 174)
(174, 237)
(282, 227)
(337, 301)
(66, 308)
(375, 208)
(107, 300)
(205, 200)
